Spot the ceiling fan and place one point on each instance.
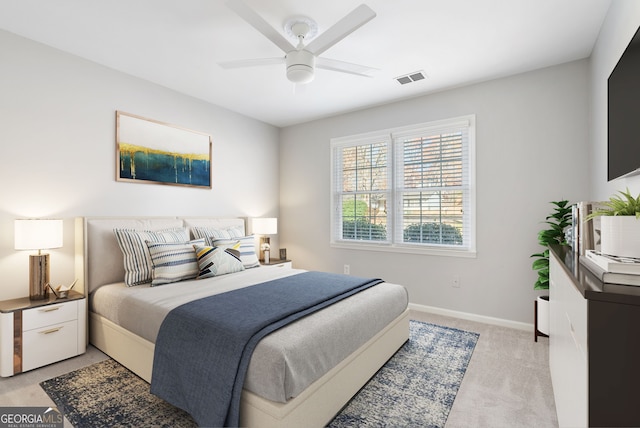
(301, 60)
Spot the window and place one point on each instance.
(409, 189)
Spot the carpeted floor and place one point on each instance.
(416, 387)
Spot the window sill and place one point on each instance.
(407, 249)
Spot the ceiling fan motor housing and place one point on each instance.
(300, 66)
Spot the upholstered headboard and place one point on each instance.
(99, 260)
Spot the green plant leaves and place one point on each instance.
(541, 284)
(557, 222)
(617, 205)
(540, 264)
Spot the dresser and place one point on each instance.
(34, 333)
(594, 346)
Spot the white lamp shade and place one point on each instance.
(264, 226)
(38, 234)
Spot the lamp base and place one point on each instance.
(38, 276)
(265, 246)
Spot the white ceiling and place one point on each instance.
(178, 44)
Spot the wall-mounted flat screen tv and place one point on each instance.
(624, 113)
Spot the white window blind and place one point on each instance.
(406, 189)
(362, 175)
(432, 186)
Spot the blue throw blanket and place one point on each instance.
(204, 347)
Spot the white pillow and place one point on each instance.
(173, 261)
(247, 247)
(215, 261)
(213, 233)
(137, 261)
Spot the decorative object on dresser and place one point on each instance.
(611, 269)
(585, 228)
(559, 220)
(34, 333)
(62, 291)
(620, 225)
(264, 227)
(149, 151)
(38, 234)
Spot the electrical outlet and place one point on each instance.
(347, 269)
(456, 281)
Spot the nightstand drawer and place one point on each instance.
(48, 315)
(37, 333)
(46, 345)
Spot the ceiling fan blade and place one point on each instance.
(255, 20)
(241, 63)
(345, 67)
(341, 29)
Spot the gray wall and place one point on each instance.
(541, 136)
(58, 152)
(531, 144)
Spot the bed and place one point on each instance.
(345, 343)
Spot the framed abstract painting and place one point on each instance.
(149, 151)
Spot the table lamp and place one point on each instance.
(265, 227)
(38, 234)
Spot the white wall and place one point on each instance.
(621, 23)
(532, 140)
(57, 138)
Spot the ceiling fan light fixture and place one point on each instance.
(300, 74)
(300, 58)
(300, 66)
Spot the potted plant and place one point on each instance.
(557, 222)
(620, 225)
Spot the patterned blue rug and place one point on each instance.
(416, 387)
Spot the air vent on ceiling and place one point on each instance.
(411, 77)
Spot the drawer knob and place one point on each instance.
(53, 330)
(50, 309)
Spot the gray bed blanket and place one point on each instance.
(204, 347)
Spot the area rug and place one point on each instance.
(416, 387)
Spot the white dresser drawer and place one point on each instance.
(568, 351)
(49, 315)
(48, 344)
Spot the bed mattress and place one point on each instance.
(285, 362)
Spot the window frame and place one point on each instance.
(392, 244)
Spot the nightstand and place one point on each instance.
(34, 333)
(278, 263)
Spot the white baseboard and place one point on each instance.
(472, 317)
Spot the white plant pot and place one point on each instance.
(543, 314)
(620, 236)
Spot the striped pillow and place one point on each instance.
(213, 234)
(137, 261)
(214, 261)
(247, 247)
(173, 261)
